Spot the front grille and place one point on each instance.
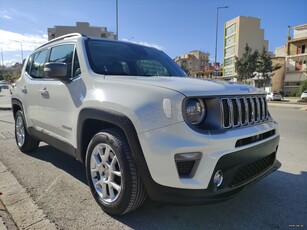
(247, 172)
(240, 111)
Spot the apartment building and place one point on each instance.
(83, 28)
(296, 57)
(196, 63)
(237, 33)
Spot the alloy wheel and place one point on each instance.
(106, 173)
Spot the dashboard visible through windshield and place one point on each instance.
(122, 58)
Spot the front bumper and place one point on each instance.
(241, 169)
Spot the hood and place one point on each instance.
(192, 86)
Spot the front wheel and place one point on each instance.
(111, 173)
(25, 142)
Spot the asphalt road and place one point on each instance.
(57, 184)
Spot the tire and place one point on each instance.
(111, 173)
(25, 142)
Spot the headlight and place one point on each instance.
(195, 110)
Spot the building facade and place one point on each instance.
(237, 33)
(196, 64)
(296, 57)
(278, 77)
(83, 28)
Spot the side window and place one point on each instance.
(63, 54)
(37, 66)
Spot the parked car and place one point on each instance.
(273, 97)
(140, 125)
(4, 85)
(304, 95)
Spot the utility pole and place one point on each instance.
(2, 58)
(216, 30)
(116, 19)
(21, 50)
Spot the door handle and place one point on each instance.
(44, 92)
(24, 90)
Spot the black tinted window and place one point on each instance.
(63, 54)
(116, 58)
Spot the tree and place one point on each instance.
(265, 67)
(246, 65)
(303, 86)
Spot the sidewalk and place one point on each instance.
(17, 209)
(289, 102)
(6, 221)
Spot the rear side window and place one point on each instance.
(37, 65)
(63, 54)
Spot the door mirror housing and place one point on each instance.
(56, 70)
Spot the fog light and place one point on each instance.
(218, 178)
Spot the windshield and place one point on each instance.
(121, 58)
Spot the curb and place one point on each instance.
(6, 221)
(289, 106)
(19, 206)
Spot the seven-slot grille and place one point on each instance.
(240, 111)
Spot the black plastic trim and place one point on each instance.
(118, 120)
(230, 162)
(253, 139)
(56, 143)
(175, 195)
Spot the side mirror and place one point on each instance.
(56, 70)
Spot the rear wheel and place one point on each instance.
(111, 173)
(25, 142)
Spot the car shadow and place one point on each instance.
(62, 161)
(268, 204)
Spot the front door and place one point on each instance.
(61, 99)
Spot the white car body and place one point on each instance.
(54, 111)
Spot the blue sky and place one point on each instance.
(175, 26)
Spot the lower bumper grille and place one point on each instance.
(249, 171)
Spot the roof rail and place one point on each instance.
(62, 38)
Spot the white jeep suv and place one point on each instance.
(140, 125)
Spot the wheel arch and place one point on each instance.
(16, 105)
(91, 121)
